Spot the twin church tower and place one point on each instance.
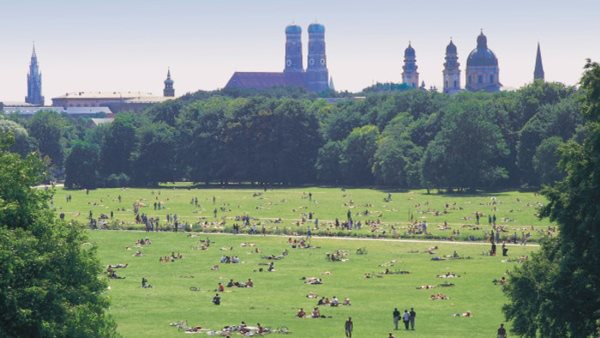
(316, 76)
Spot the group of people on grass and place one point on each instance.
(408, 318)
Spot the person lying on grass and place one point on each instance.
(438, 296)
(273, 257)
(448, 275)
(312, 280)
(425, 287)
(397, 272)
(311, 295)
(118, 266)
(446, 284)
(467, 314)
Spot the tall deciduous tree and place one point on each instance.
(119, 143)
(464, 154)
(50, 129)
(358, 152)
(81, 166)
(557, 292)
(49, 285)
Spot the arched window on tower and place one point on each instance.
(480, 79)
(455, 84)
(491, 78)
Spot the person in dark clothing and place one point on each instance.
(349, 326)
(413, 316)
(501, 331)
(504, 249)
(396, 316)
(216, 299)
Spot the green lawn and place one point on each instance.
(277, 295)
(515, 211)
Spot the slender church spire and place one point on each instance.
(538, 73)
(169, 91)
(34, 82)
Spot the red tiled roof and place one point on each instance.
(264, 80)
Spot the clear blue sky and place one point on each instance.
(128, 45)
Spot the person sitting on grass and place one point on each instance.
(112, 274)
(145, 283)
(216, 299)
(301, 313)
(249, 283)
(347, 302)
(260, 329)
(501, 281)
(220, 287)
(271, 267)
(335, 301)
(243, 328)
(231, 283)
(316, 313)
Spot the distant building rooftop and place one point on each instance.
(73, 111)
(104, 95)
(265, 80)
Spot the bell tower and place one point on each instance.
(169, 91)
(317, 75)
(293, 49)
(451, 70)
(410, 76)
(34, 82)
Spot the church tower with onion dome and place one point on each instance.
(293, 49)
(410, 76)
(482, 68)
(317, 75)
(451, 70)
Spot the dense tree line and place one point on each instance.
(392, 136)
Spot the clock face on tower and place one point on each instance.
(323, 61)
(288, 62)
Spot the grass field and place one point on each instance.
(277, 295)
(515, 212)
